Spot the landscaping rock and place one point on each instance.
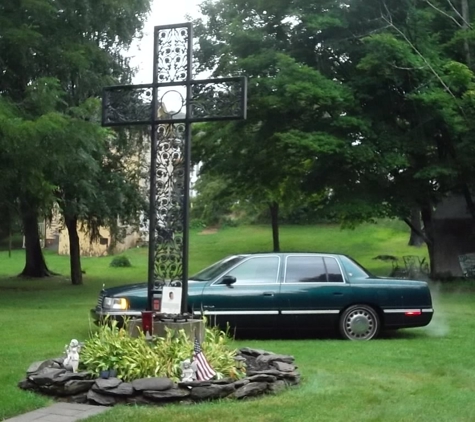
(106, 384)
(124, 389)
(254, 352)
(250, 390)
(74, 387)
(266, 373)
(46, 376)
(212, 392)
(101, 399)
(166, 395)
(155, 384)
(262, 378)
(38, 366)
(267, 359)
(283, 367)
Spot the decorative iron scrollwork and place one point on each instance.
(169, 204)
(127, 105)
(172, 54)
(217, 99)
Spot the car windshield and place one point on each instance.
(214, 270)
(354, 269)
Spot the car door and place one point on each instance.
(313, 291)
(250, 301)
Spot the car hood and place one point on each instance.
(127, 289)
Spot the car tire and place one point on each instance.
(359, 322)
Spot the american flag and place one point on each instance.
(204, 372)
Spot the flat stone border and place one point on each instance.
(266, 373)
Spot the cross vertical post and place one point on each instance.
(170, 104)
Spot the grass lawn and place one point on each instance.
(422, 374)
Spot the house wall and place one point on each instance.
(99, 247)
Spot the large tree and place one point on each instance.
(296, 115)
(79, 47)
(392, 134)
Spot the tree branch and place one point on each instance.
(434, 72)
(415, 229)
(468, 25)
(444, 13)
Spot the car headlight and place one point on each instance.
(116, 303)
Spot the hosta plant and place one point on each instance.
(111, 347)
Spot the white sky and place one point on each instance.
(162, 13)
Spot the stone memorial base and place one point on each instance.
(266, 373)
(194, 328)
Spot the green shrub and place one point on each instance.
(120, 261)
(112, 347)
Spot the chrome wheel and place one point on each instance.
(359, 322)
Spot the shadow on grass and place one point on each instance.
(295, 334)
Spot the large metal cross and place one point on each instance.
(170, 104)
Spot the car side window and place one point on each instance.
(258, 270)
(333, 270)
(305, 269)
(312, 269)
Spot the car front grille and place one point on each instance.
(100, 300)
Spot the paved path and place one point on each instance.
(60, 412)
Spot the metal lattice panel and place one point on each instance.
(169, 204)
(127, 105)
(217, 99)
(172, 53)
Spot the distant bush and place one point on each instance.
(120, 261)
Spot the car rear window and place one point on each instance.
(312, 269)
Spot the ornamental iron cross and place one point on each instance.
(145, 104)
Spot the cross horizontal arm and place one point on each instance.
(211, 100)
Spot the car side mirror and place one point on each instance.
(228, 280)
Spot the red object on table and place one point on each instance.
(147, 322)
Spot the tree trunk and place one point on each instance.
(466, 27)
(35, 265)
(416, 228)
(74, 250)
(274, 213)
(450, 235)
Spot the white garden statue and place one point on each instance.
(72, 355)
(188, 371)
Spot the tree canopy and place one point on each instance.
(366, 105)
(55, 58)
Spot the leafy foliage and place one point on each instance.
(112, 347)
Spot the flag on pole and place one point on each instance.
(204, 372)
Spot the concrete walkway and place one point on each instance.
(60, 412)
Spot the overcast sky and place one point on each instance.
(163, 13)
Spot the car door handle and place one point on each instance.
(337, 294)
(208, 307)
(268, 293)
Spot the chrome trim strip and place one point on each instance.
(310, 312)
(403, 311)
(206, 312)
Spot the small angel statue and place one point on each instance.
(72, 355)
(188, 371)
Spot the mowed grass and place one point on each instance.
(423, 374)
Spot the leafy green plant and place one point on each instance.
(111, 347)
(120, 261)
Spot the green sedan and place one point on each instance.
(288, 290)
